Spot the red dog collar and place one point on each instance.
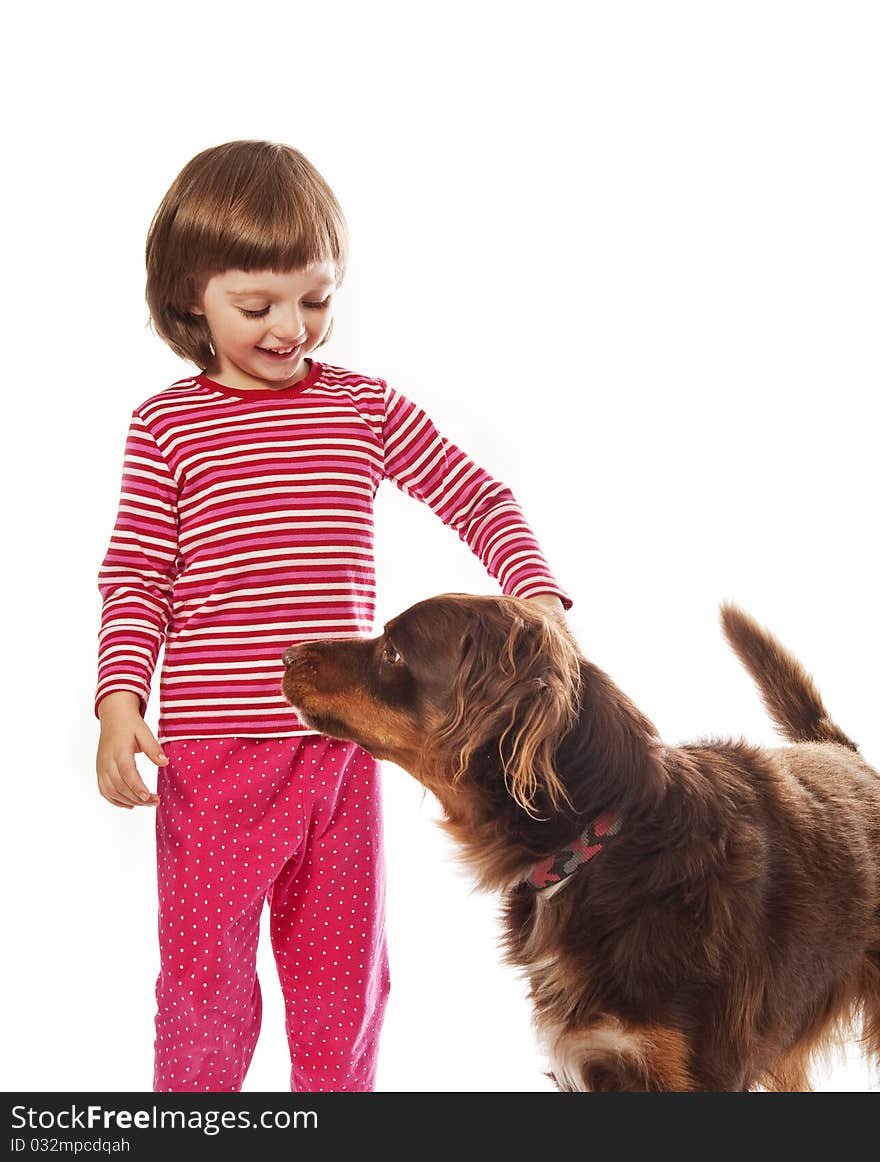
(590, 842)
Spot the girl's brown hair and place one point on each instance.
(244, 205)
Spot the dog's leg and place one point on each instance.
(789, 1075)
(832, 1026)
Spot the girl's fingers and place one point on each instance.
(132, 786)
(107, 791)
(148, 745)
(115, 788)
(122, 785)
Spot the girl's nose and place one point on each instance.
(289, 322)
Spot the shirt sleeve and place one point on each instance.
(482, 510)
(137, 574)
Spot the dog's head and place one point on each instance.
(450, 680)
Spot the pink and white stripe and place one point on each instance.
(245, 523)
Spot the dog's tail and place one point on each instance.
(787, 690)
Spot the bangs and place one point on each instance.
(260, 209)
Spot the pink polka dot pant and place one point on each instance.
(295, 821)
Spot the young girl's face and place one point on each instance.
(250, 313)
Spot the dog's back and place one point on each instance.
(835, 776)
(840, 782)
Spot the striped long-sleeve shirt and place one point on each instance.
(245, 523)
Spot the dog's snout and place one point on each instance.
(297, 650)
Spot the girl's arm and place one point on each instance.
(137, 574)
(135, 582)
(483, 511)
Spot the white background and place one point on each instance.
(625, 255)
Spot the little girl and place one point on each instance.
(245, 524)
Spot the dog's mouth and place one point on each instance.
(324, 723)
(298, 692)
(312, 717)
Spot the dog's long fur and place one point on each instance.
(726, 935)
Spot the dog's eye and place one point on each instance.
(390, 654)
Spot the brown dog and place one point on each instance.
(699, 917)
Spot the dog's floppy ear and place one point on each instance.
(517, 689)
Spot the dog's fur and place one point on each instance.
(727, 934)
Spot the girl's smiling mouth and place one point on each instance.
(287, 353)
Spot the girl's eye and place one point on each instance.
(265, 311)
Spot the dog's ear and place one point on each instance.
(516, 689)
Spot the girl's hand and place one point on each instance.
(123, 734)
(551, 604)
